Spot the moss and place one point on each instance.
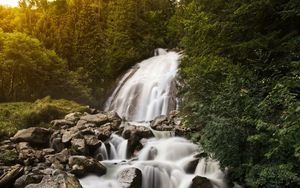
(20, 115)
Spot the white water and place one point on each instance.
(145, 91)
(141, 95)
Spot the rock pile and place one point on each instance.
(57, 156)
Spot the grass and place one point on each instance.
(20, 115)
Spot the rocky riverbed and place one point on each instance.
(57, 157)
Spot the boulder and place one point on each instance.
(201, 182)
(25, 180)
(33, 135)
(63, 180)
(98, 119)
(82, 166)
(130, 178)
(7, 179)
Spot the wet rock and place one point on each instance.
(104, 132)
(130, 178)
(201, 182)
(7, 179)
(191, 166)
(63, 180)
(33, 135)
(82, 166)
(137, 131)
(92, 142)
(98, 119)
(25, 180)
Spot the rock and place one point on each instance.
(201, 182)
(69, 134)
(59, 123)
(82, 166)
(134, 134)
(79, 146)
(58, 158)
(137, 131)
(7, 179)
(25, 180)
(73, 117)
(56, 144)
(63, 180)
(191, 166)
(114, 118)
(130, 178)
(23, 146)
(33, 135)
(92, 142)
(98, 119)
(104, 132)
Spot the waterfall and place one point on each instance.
(146, 91)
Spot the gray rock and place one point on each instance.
(73, 117)
(92, 142)
(104, 132)
(33, 135)
(201, 182)
(63, 180)
(114, 118)
(79, 146)
(25, 180)
(82, 166)
(68, 135)
(130, 178)
(58, 158)
(59, 123)
(98, 119)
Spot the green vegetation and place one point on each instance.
(20, 115)
(241, 76)
(97, 40)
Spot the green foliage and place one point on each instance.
(15, 116)
(29, 71)
(241, 85)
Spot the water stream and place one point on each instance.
(145, 92)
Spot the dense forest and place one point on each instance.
(240, 72)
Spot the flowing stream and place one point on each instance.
(145, 92)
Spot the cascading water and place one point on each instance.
(145, 92)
